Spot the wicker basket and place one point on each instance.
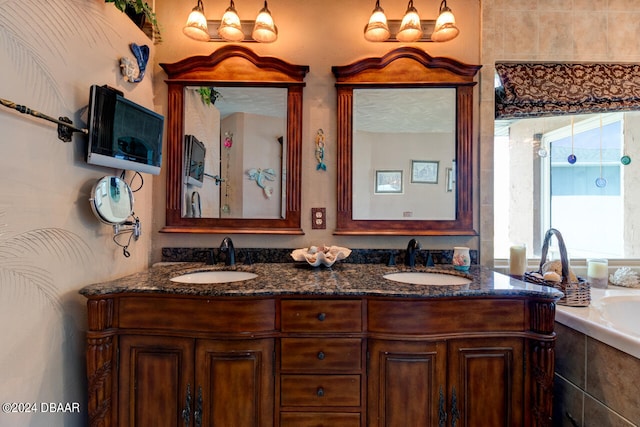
(576, 294)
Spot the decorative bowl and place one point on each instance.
(321, 255)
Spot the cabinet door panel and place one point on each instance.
(155, 373)
(406, 381)
(236, 379)
(486, 376)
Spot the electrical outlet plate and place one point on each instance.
(318, 218)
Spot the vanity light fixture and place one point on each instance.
(377, 30)
(196, 26)
(411, 28)
(265, 30)
(230, 27)
(445, 28)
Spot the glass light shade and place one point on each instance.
(377, 29)
(445, 28)
(196, 26)
(230, 28)
(410, 28)
(264, 30)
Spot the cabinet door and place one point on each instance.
(156, 377)
(234, 383)
(486, 382)
(407, 383)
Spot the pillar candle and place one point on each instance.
(517, 260)
(598, 272)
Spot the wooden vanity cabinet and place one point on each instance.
(171, 381)
(448, 363)
(175, 361)
(474, 382)
(295, 361)
(321, 375)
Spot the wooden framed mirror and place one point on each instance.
(219, 178)
(405, 130)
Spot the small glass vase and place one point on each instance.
(461, 258)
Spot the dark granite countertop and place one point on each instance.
(343, 279)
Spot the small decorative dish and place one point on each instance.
(321, 255)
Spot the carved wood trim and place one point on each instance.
(458, 71)
(201, 66)
(406, 67)
(542, 366)
(99, 359)
(543, 315)
(233, 65)
(100, 314)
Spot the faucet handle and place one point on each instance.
(392, 258)
(210, 256)
(429, 260)
(247, 257)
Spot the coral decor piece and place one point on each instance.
(626, 277)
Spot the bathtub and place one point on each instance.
(613, 318)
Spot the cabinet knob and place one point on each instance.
(321, 355)
(320, 392)
(322, 316)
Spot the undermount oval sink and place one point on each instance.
(222, 276)
(426, 278)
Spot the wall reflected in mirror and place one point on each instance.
(412, 132)
(235, 152)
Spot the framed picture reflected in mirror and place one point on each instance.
(388, 181)
(424, 171)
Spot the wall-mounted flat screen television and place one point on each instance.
(123, 134)
(194, 155)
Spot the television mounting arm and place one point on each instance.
(65, 126)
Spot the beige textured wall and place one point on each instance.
(545, 30)
(50, 242)
(319, 34)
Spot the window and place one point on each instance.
(592, 202)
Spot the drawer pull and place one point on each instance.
(322, 316)
(321, 355)
(320, 392)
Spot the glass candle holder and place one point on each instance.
(598, 272)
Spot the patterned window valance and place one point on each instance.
(546, 89)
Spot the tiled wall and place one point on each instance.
(545, 30)
(595, 384)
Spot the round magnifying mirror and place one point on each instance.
(112, 200)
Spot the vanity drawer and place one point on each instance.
(320, 390)
(319, 419)
(318, 354)
(321, 316)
